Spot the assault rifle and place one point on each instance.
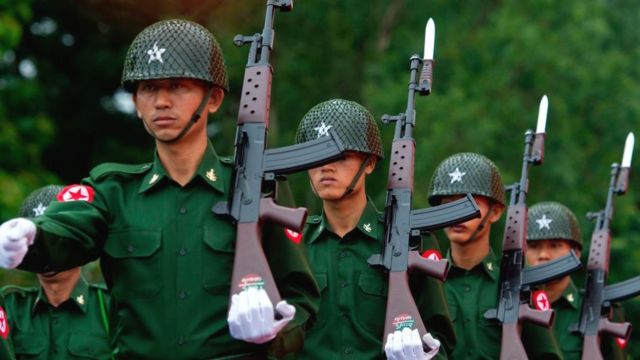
(596, 312)
(516, 281)
(251, 200)
(402, 225)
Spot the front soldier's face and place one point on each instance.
(541, 251)
(166, 105)
(330, 181)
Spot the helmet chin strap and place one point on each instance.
(356, 178)
(194, 119)
(483, 223)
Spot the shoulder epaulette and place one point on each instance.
(105, 169)
(13, 289)
(227, 160)
(314, 219)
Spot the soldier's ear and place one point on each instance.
(496, 212)
(217, 95)
(372, 165)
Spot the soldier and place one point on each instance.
(552, 232)
(166, 258)
(340, 240)
(64, 318)
(472, 286)
(6, 346)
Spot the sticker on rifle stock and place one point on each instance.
(403, 321)
(432, 254)
(251, 281)
(541, 300)
(622, 343)
(294, 236)
(76, 193)
(4, 324)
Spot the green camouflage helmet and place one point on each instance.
(36, 203)
(551, 220)
(464, 173)
(353, 124)
(174, 49)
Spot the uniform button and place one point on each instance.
(183, 252)
(183, 211)
(130, 248)
(344, 284)
(182, 295)
(180, 340)
(348, 350)
(467, 288)
(343, 254)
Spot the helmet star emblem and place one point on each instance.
(367, 227)
(156, 53)
(323, 129)
(544, 222)
(456, 175)
(39, 210)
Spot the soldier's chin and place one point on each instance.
(49, 274)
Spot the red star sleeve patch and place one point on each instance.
(76, 193)
(294, 236)
(432, 254)
(4, 324)
(541, 300)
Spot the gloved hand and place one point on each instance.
(251, 316)
(15, 237)
(406, 345)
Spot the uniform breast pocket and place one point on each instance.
(371, 300)
(89, 346)
(217, 259)
(134, 260)
(29, 346)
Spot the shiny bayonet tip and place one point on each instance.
(429, 39)
(542, 115)
(628, 150)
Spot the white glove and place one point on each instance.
(251, 316)
(406, 345)
(15, 237)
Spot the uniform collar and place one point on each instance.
(570, 296)
(79, 295)
(368, 224)
(210, 170)
(488, 266)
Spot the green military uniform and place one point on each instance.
(6, 346)
(351, 318)
(76, 329)
(167, 260)
(567, 309)
(469, 295)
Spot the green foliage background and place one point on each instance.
(494, 61)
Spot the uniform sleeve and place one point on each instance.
(540, 343)
(69, 234)
(296, 284)
(429, 295)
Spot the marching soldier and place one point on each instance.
(472, 286)
(166, 258)
(552, 232)
(64, 318)
(339, 241)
